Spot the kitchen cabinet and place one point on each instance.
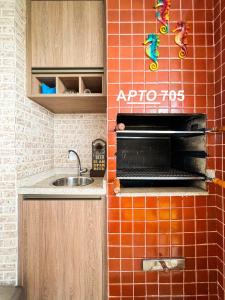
(62, 249)
(67, 34)
(65, 51)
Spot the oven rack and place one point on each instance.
(157, 174)
(146, 133)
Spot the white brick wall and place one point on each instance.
(77, 131)
(34, 124)
(8, 218)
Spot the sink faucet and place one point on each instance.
(72, 155)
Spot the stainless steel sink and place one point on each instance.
(73, 181)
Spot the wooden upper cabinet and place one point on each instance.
(67, 34)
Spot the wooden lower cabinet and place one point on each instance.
(62, 249)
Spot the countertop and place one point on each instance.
(161, 191)
(40, 186)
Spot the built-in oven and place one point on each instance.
(161, 150)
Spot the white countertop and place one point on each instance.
(41, 184)
(161, 191)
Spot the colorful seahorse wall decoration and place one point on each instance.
(162, 14)
(151, 50)
(181, 38)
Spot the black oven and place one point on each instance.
(161, 150)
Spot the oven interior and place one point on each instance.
(161, 150)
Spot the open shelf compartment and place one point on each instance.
(37, 81)
(71, 95)
(91, 84)
(68, 85)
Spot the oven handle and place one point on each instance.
(215, 130)
(218, 182)
(210, 177)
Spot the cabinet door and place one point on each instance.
(46, 33)
(62, 251)
(67, 33)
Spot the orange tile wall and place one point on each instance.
(148, 227)
(219, 26)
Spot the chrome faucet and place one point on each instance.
(75, 155)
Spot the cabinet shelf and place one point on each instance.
(75, 93)
(65, 104)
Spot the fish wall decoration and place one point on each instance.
(181, 33)
(152, 43)
(162, 14)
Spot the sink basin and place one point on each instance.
(73, 181)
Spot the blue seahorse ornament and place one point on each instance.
(151, 50)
